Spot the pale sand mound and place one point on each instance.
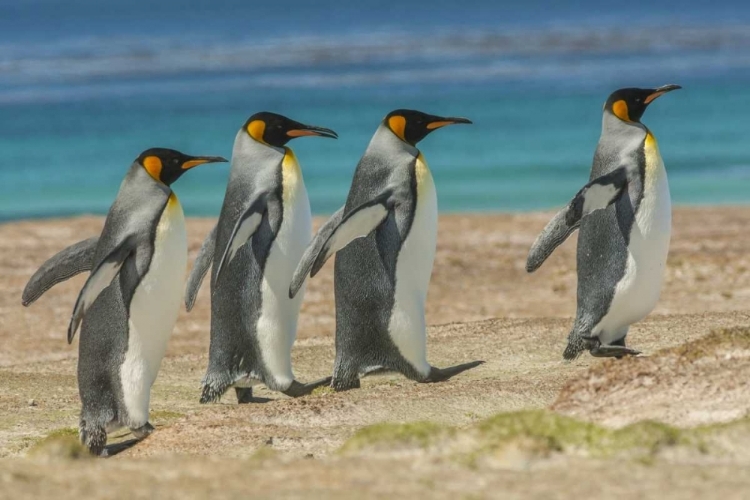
(703, 381)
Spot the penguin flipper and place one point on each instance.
(551, 237)
(64, 265)
(99, 279)
(243, 230)
(312, 251)
(200, 268)
(358, 223)
(596, 195)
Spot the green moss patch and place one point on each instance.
(59, 444)
(540, 432)
(418, 434)
(556, 431)
(322, 390)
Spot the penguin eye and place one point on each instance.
(175, 160)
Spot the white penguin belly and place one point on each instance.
(407, 326)
(638, 291)
(153, 313)
(277, 324)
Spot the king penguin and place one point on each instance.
(264, 227)
(625, 218)
(385, 236)
(129, 304)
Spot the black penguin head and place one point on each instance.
(630, 104)
(277, 130)
(412, 126)
(167, 165)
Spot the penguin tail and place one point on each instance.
(215, 383)
(93, 436)
(211, 394)
(574, 349)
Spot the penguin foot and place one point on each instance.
(297, 389)
(244, 395)
(612, 351)
(143, 431)
(442, 374)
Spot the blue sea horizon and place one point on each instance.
(84, 90)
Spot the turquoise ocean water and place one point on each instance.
(85, 86)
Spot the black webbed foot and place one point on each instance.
(443, 374)
(298, 389)
(612, 351)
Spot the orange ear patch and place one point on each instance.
(153, 166)
(620, 110)
(256, 129)
(397, 124)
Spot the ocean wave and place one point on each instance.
(562, 72)
(94, 58)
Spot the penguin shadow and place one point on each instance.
(245, 396)
(113, 449)
(116, 448)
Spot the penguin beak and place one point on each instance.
(200, 160)
(660, 91)
(304, 130)
(443, 121)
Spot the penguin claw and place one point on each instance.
(298, 389)
(443, 374)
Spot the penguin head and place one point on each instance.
(629, 104)
(412, 126)
(277, 130)
(167, 165)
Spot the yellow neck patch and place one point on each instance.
(653, 160)
(152, 164)
(397, 124)
(291, 176)
(620, 110)
(256, 129)
(423, 175)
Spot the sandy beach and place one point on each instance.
(522, 425)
